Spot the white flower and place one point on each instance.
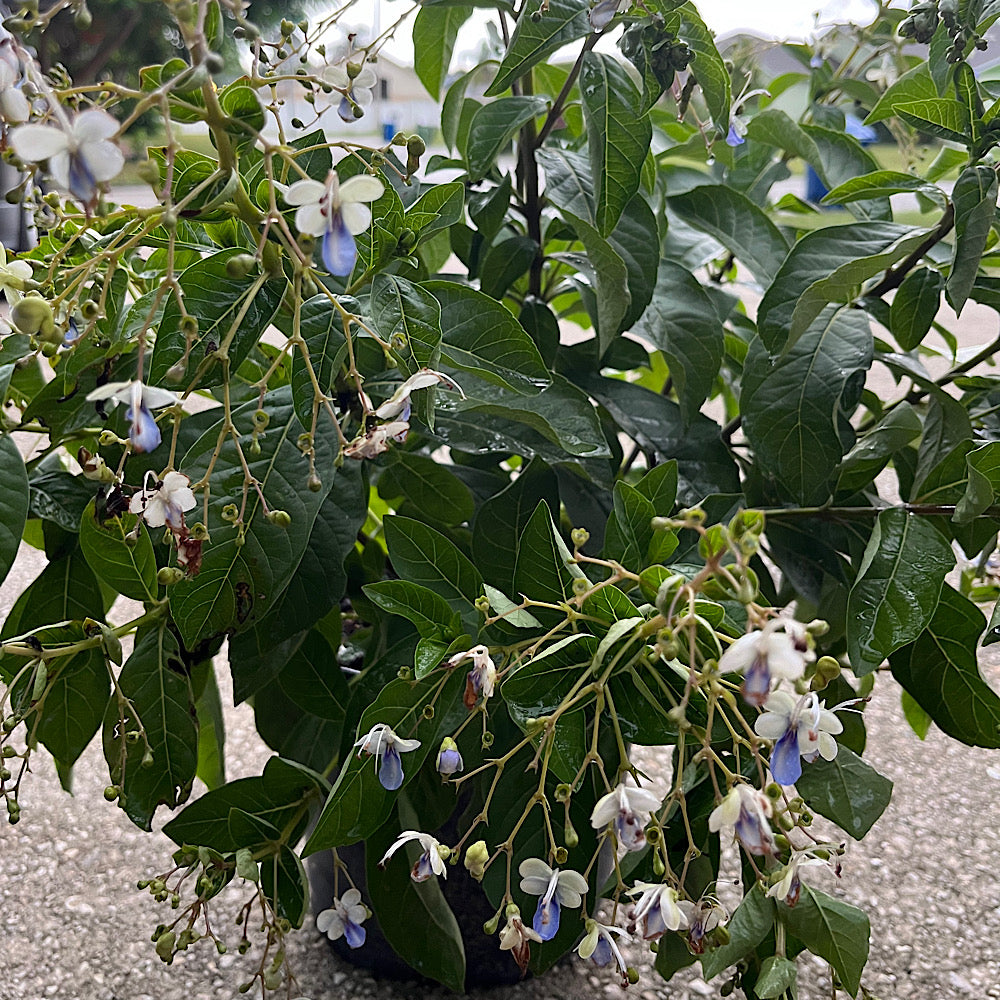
(629, 809)
(385, 746)
(515, 938)
(398, 404)
(336, 212)
(481, 679)
(602, 13)
(768, 653)
(344, 919)
(431, 862)
(556, 888)
(600, 946)
(788, 887)
(800, 727)
(701, 917)
(657, 910)
(165, 502)
(357, 89)
(745, 810)
(14, 106)
(375, 441)
(80, 153)
(13, 275)
(141, 398)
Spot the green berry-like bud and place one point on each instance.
(562, 855)
(189, 326)
(31, 313)
(165, 945)
(8, 752)
(632, 975)
(580, 537)
(483, 604)
(111, 792)
(580, 585)
(416, 146)
(240, 265)
(89, 309)
(149, 172)
(570, 835)
(133, 736)
(279, 518)
(314, 483)
(563, 792)
(169, 575)
(476, 856)
(491, 925)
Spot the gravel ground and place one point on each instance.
(74, 927)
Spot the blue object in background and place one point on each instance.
(388, 131)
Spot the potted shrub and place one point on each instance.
(324, 406)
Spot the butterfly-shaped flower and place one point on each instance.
(556, 889)
(430, 862)
(336, 212)
(385, 746)
(801, 727)
(164, 502)
(344, 919)
(628, 808)
(141, 399)
(657, 909)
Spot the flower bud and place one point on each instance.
(165, 945)
(580, 537)
(449, 759)
(476, 856)
(562, 855)
(570, 835)
(491, 925)
(149, 172)
(314, 483)
(632, 975)
(580, 586)
(240, 265)
(279, 518)
(31, 313)
(169, 575)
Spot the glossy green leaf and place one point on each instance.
(881, 184)
(499, 521)
(482, 337)
(238, 583)
(629, 531)
(749, 925)
(230, 313)
(539, 686)
(211, 725)
(845, 790)
(917, 719)
(896, 430)
(437, 493)
(941, 116)
(897, 587)
(683, 325)
(941, 672)
(358, 804)
(537, 35)
(414, 916)
(738, 224)
(284, 881)
(914, 85)
(401, 308)
(983, 484)
(777, 975)
(975, 199)
(840, 157)
(914, 306)
(504, 263)
(813, 259)
(435, 30)
(707, 66)
(423, 556)
(322, 329)
(618, 136)
(155, 682)
(429, 611)
(492, 128)
(790, 408)
(240, 102)
(60, 497)
(13, 502)
(832, 929)
(452, 106)
(127, 566)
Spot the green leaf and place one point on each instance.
(914, 85)
(492, 128)
(790, 407)
(211, 726)
(238, 583)
(811, 260)
(545, 569)
(897, 587)
(707, 66)
(429, 611)
(941, 116)
(403, 308)
(59, 497)
(738, 224)
(834, 930)
(437, 493)
(423, 556)
(13, 502)
(896, 430)
(322, 329)
(358, 804)
(881, 184)
(841, 157)
(629, 531)
(155, 682)
(537, 35)
(983, 485)
(439, 207)
(618, 136)
(941, 672)
(539, 686)
(914, 306)
(499, 521)
(435, 30)
(683, 325)
(452, 107)
(750, 924)
(127, 566)
(284, 881)
(975, 199)
(917, 719)
(414, 916)
(239, 100)
(845, 790)
(631, 239)
(230, 312)
(777, 975)
(504, 263)
(484, 338)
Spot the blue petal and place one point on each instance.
(391, 771)
(346, 111)
(786, 764)
(81, 181)
(354, 934)
(144, 434)
(546, 922)
(339, 251)
(757, 682)
(602, 954)
(734, 138)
